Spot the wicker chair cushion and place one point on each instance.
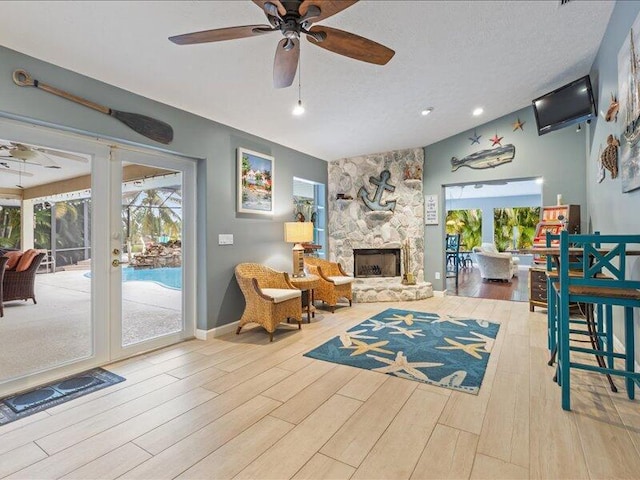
(14, 258)
(25, 260)
(341, 280)
(281, 294)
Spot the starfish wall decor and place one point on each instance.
(518, 124)
(475, 138)
(495, 140)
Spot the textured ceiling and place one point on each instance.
(453, 56)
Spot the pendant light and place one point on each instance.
(299, 109)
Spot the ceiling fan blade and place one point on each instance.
(281, 10)
(220, 34)
(58, 153)
(16, 172)
(351, 45)
(328, 8)
(285, 63)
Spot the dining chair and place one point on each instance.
(595, 332)
(452, 251)
(600, 255)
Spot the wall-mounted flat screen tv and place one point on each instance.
(567, 105)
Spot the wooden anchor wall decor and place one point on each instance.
(382, 184)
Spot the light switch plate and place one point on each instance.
(225, 239)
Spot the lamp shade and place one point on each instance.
(298, 232)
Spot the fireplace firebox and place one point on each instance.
(376, 262)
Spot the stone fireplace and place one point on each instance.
(355, 227)
(376, 262)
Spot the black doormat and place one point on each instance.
(40, 398)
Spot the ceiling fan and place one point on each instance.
(27, 154)
(294, 18)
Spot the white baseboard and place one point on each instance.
(439, 293)
(217, 331)
(619, 347)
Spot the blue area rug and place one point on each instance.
(446, 351)
(27, 403)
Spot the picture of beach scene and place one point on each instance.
(255, 185)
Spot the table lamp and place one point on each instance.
(297, 233)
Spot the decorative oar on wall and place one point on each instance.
(147, 126)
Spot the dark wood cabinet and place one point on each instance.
(537, 288)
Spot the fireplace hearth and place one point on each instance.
(376, 262)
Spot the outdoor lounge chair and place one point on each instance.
(269, 295)
(334, 282)
(21, 285)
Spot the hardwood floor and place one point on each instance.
(471, 285)
(241, 407)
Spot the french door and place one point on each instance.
(118, 228)
(152, 250)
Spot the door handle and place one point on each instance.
(116, 263)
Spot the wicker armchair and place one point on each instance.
(3, 262)
(270, 297)
(334, 282)
(21, 285)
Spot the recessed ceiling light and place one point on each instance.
(477, 111)
(426, 111)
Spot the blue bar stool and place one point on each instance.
(588, 285)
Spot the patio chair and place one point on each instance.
(21, 285)
(334, 281)
(269, 295)
(3, 263)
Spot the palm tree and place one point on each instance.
(154, 213)
(468, 223)
(10, 227)
(518, 222)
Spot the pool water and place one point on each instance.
(169, 277)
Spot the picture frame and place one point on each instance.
(431, 209)
(255, 182)
(628, 81)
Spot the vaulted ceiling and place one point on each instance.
(453, 56)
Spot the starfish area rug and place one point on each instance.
(442, 350)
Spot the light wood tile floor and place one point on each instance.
(241, 407)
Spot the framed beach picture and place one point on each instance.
(255, 182)
(628, 93)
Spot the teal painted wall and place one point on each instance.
(256, 239)
(558, 157)
(610, 210)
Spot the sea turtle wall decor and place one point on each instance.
(610, 156)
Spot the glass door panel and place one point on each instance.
(152, 250)
(152, 255)
(48, 324)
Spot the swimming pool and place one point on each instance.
(169, 277)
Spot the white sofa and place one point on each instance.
(495, 265)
